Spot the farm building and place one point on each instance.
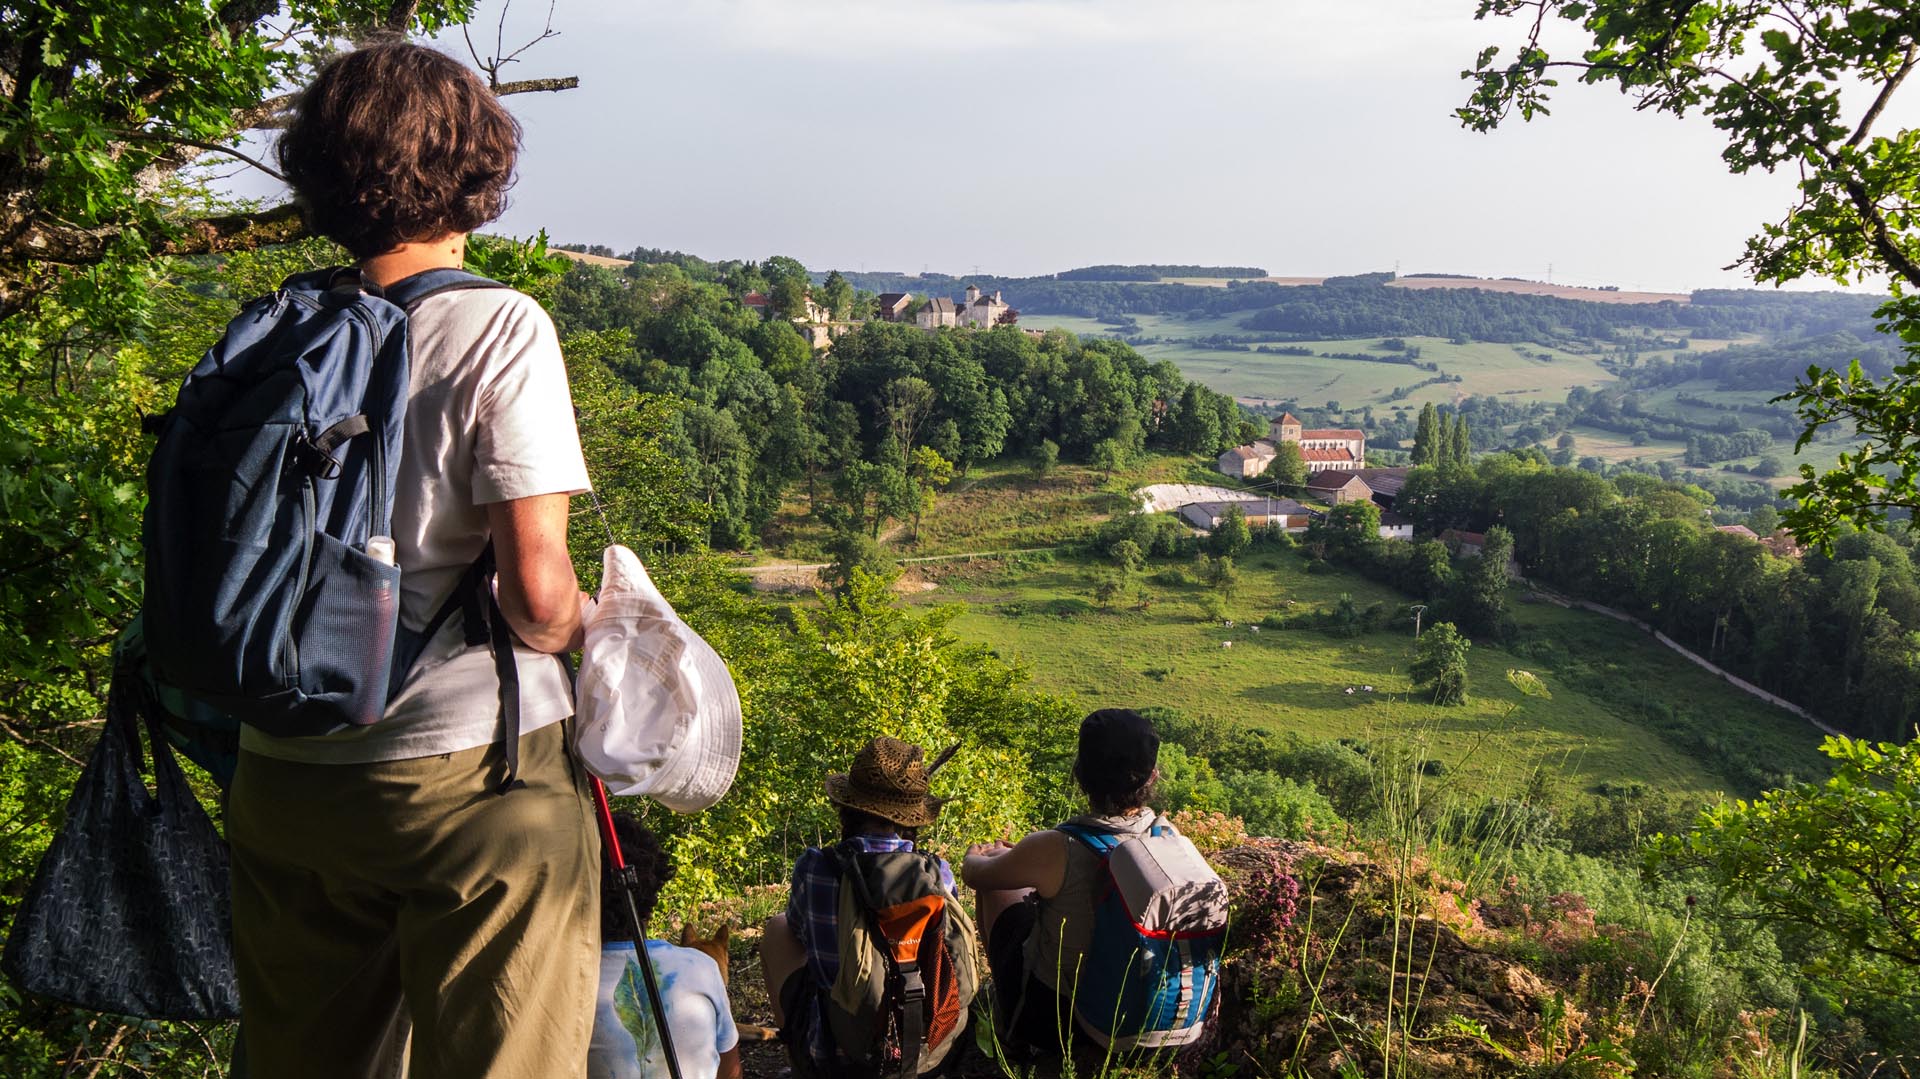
(1281, 513)
(1338, 487)
(892, 306)
(1395, 527)
(1463, 544)
(1385, 484)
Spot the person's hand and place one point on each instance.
(986, 850)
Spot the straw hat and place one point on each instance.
(889, 781)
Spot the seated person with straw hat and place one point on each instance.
(883, 803)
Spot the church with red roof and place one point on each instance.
(1330, 449)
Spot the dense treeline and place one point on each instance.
(1365, 305)
(1834, 632)
(1770, 367)
(879, 423)
(1156, 272)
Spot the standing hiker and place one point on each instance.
(412, 871)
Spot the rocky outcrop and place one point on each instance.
(1321, 975)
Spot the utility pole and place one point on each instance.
(1418, 610)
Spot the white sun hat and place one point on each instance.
(658, 712)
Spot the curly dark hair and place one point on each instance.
(643, 852)
(396, 144)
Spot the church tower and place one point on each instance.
(1284, 429)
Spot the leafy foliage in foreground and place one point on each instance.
(1802, 85)
(1839, 860)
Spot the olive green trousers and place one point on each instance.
(368, 897)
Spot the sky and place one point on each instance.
(1027, 136)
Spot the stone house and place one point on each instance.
(1339, 487)
(892, 306)
(938, 311)
(1246, 462)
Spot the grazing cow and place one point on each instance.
(1253, 629)
(1349, 691)
(1226, 644)
(1366, 689)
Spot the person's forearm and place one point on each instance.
(539, 594)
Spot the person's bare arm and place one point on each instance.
(538, 592)
(1039, 862)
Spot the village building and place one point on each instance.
(892, 306)
(1385, 483)
(938, 312)
(1246, 462)
(1339, 487)
(1780, 544)
(1325, 449)
(1342, 449)
(1280, 513)
(1463, 544)
(977, 310)
(1395, 527)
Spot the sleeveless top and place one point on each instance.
(1065, 927)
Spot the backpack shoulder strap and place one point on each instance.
(1101, 843)
(408, 292)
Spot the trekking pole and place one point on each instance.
(628, 880)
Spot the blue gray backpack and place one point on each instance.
(272, 472)
(1152, 968)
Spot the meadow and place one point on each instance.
(1522, 372)
(1161, 648)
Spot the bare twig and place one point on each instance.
(209, 147)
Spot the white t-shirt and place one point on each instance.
(489, 419)
(625, 1045)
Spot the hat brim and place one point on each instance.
(906, 812)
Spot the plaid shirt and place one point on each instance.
(813, 915)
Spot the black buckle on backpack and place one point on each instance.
(314, 459)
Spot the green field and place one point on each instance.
(1517, 372)
(1296, 680)
(1614, 447)
(1484, 368)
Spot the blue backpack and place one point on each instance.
(1152, 967)
(274, 468)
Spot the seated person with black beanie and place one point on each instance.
(626, 1044)
(1036, 898)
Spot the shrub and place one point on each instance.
(1187, 782)
(1277, 807)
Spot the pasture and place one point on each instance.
(1161, 649)
(1520, 373)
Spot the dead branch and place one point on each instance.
(534, 86)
